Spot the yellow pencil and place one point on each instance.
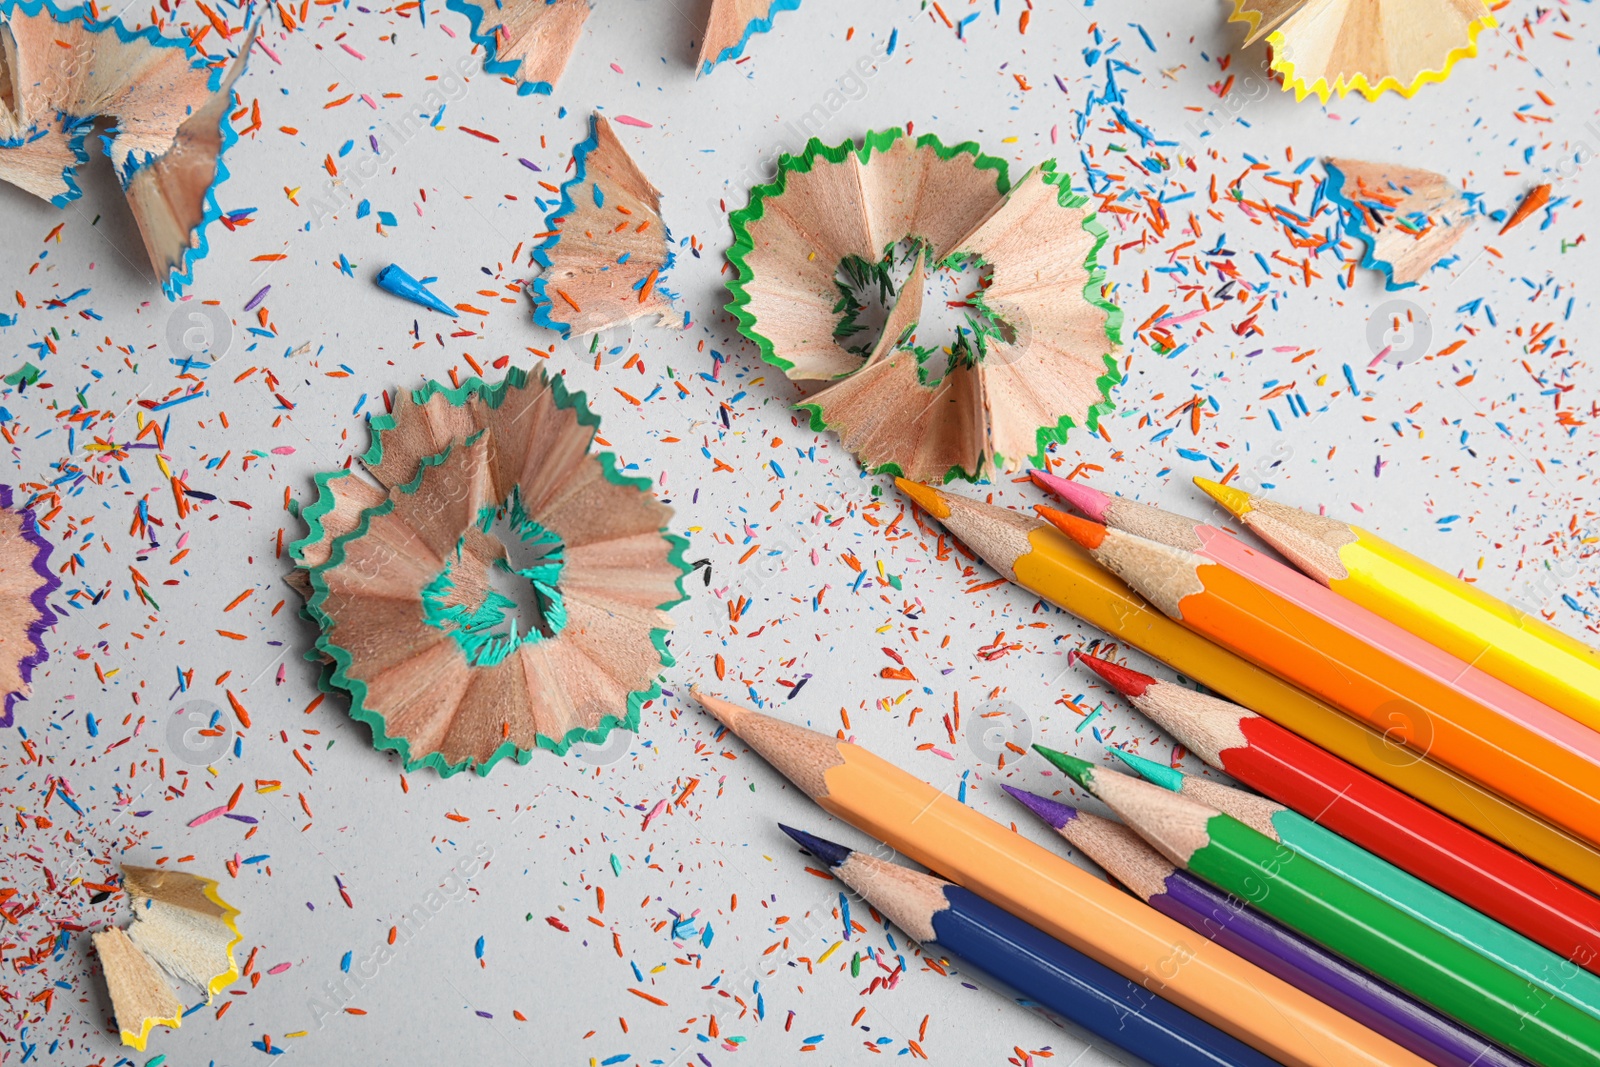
(1518, 648)
(1043, 560)
(1060, 898)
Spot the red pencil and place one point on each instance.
(1347, 800)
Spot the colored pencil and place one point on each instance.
(1068, 903)
(1374, 935)
(1306, 650)
(1121, 513)
(1349, 802)
(1039, 558)
(1221, 546)
(1304, 964)
(1488, 938)
(988, 943)
(1517, 647)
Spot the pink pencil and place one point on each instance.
(1222, 546)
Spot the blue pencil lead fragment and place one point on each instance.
(394, 280)
(827, 851)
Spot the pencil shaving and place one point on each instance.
(168, 103)
(1408, 218)
(432, 655)
(1051, 367)
(184, 926)
(1031, 365)
(1368, 46)
(180, 927)
(731, 24)
(608, 251)
(141, 997)
(529, 41)
(26, 581)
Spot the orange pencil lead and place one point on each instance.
(1537, 197)
(1088, 534)
(926, 497)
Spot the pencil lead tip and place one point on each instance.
(1092, 502)
(1235, 500)
(1169, 778)
(1079, 770)
(828, 852)
(394, 279)
(725, 712)
(1125, 680)
(1086, 533)
(926, 497)
(1053, 812)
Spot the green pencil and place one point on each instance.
(1309, 898)
(1489, 938)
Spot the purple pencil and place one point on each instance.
(1261, 940)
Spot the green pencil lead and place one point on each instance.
(1151, 771)
(1080, 771)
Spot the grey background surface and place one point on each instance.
(1477, 435)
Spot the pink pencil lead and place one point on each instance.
(1092, 502)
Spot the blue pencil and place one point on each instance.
(949, 922)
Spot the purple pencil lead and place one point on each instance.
(1053, 812)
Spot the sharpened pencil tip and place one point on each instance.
(926, 497)
(1092, 502)
(1086, 533)
(726, 713)
(1079, 770)
(1053, 812)
(1237, 501)
(1151, 771)
(828, 852)
(1125, 680)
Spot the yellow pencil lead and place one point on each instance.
(1237, 501)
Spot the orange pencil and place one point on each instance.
(1060, 898)
(1366, 682)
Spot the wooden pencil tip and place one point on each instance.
(800, 754)
(926, 497)
(1125, 680)
(1079, 770)
(728, 714)
(1092, 502)
(1086, 533)
(1236, 501)
(828, 852)
(1053, 812)
(1168, 778)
